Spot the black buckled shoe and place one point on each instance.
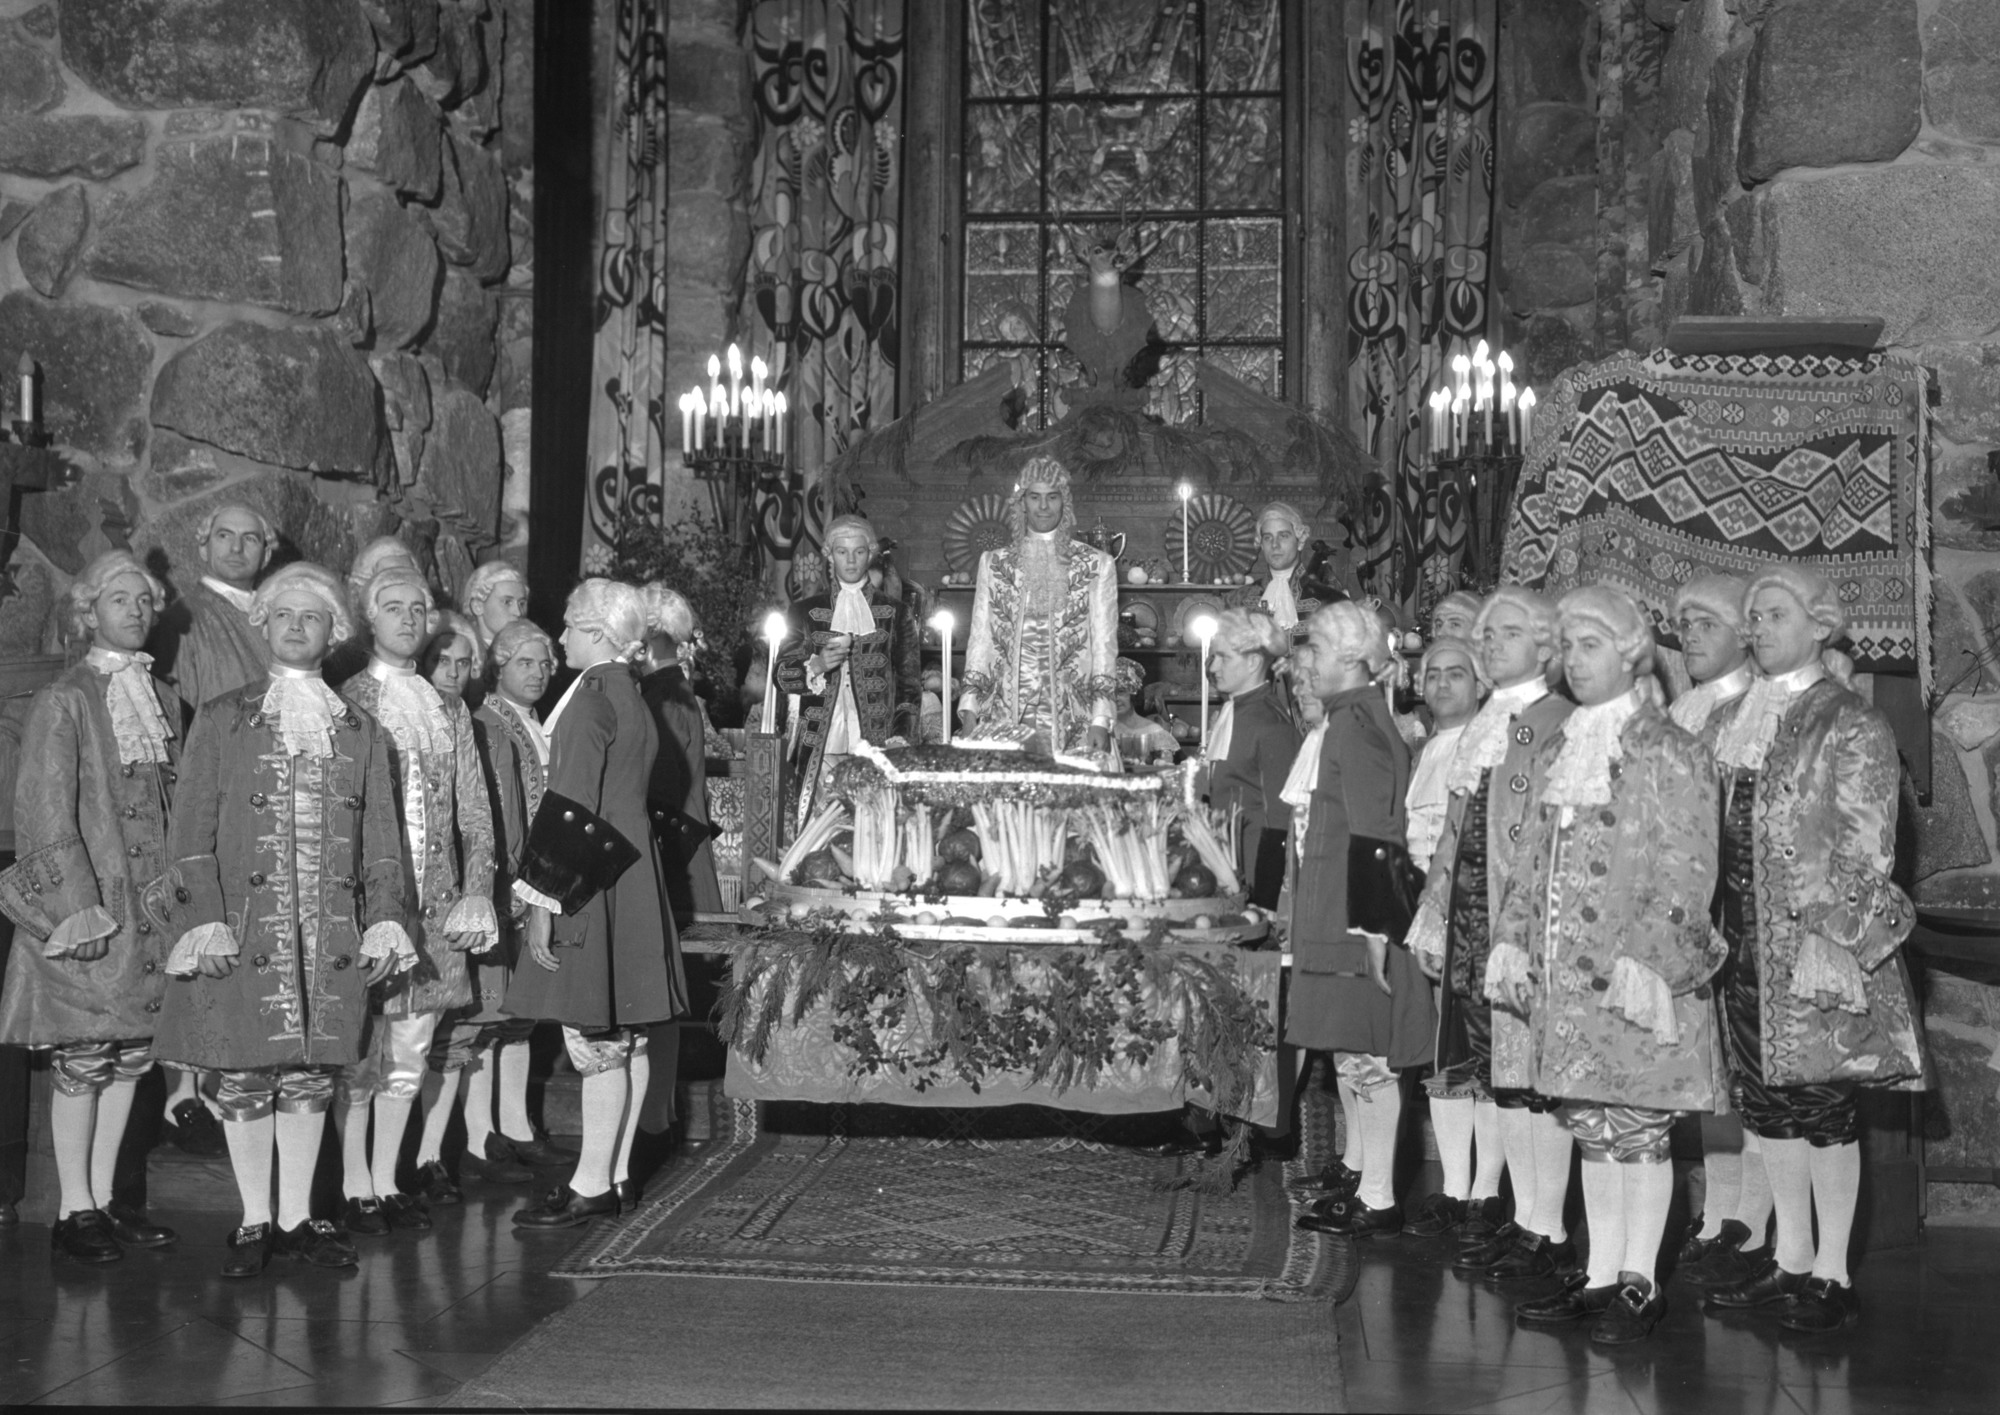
(1336, 1178)
(1437, 1214)
(563, 1207)
(317, 1242)
(406, 1211)
(1533, 1255)
(1726, 1267)
(628, 1194)
(1574, 1301)
(1769, 1286)
(1483, 1218)
(85, 1237)
(1696, 1250)
(129, 1226)
(436, 1186)
(1823, 1305)
(1634, 1310)
(364, 1218)
(540, 1152)
(194, 1130)
(1481, 1254)
(249, 1250)
(1348, 1217)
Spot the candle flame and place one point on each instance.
(774, 628)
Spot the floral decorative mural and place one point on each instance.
(1420, 200)
(1083, 117)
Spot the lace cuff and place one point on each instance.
(528, 894)
(1828, 976)
(201, 941)
(1642, 997)
(1506, 969)
(386, 938)
(816, 681)
(86, 925)
(1426, 938)
(474, 914)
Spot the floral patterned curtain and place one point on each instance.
(1420, 201)
(826, 193)
(631, 443)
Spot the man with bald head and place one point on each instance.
(207, 643)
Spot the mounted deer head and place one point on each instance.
(1105, 260)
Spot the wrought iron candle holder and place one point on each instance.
(737, 466)
(1483, 485)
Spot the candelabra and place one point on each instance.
(733, 441)
(1483, 484)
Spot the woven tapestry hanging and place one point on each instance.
(1656, 468)
(1421, 81)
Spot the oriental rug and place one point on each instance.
(1030, 1199)
(1657, 468)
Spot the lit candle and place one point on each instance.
(1526, 403)
(1461, 368)
(1187, 493)
(718, 408)
(687, 425)
(1204, 626)
(1458, 428)
(774, 634)
(758, 368)
(779, 414)
(1509, 426)
(700, 406)
(943, 622)
(28, 412)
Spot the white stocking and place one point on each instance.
(298, 1156)
(1649, 1192)
(1836, 1189)
(605, 1096)
(1722, 1172)
(1790, 1169)
(1553, 1144)
(1491, 1156)
(392, 1118)
(72, 1123)
(513, 1088)
(440, 1091)
(114, 1108)
(478, 1106)
(355, 1179)
(250, 1158)
(1381, 1117)
(640, 1069)
(1753, 1204)
(1517, 1143)
(1352, 1142)
(1604, 1207)
(1451, 1120)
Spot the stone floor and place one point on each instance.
(425, 1312)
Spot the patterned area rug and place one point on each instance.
(1031, 1199)
(1665, 466)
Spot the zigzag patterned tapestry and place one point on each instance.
(1652, 469)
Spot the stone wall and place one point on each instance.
(1824, 157)
(267, 250)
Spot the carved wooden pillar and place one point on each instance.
(763, 803)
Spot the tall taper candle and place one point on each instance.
(1187, 493)
(774, 634)
(945, 624)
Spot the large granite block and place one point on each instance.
(1830, 82)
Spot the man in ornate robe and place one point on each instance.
(1040, 662)
(1815, 999)
(853, 651)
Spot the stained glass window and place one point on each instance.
(1164, 118)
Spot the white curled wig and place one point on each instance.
(1610, 609)
(264, 527)
(315, 580)
(1451, 647)
(369, 561)
(1814, 592)
(1350, 630)
(1540, 609)
(850, 525)
(1289, 514)
(1252, 630)
(89, 587)
(1723, 596)
(613, 608)
(395, 574)
(1043, 474)
(1464, 601)
(481, 583)
(668, 613)
(511, 640)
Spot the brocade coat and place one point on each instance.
(1512, 789)
(1824, 822)
(458, 850)
(299, 856)
(1012, 693)
(1353, 872)
(515, 778)
(620, 957)
(885, 669)
(1631, 878)
(1309, 592)
(207, 647)
(1262, 743)
(89, 830)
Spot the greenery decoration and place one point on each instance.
(932, 1014)
(723, 586)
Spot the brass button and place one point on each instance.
(1792, 914)
(262, 960)
(131, 813)
(259, 799)
(1599, 868)
(1380, 853)
(1607, 817)
(151, 967)
(430, 911)
(257, 880)
(345, 881)
(134, 851)
(340, 961)
(125, 770)
(256, 719)
(1585, 964)
(1524, 735)
(170, 776)
(353, 803)
(181, 895)
(1518, 785)
(1600, 984)
(590, 829)
(152, 1007)
(1676, 914)
(144, 927)
(1514, 832)
(1589, 914)
(569, 815)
